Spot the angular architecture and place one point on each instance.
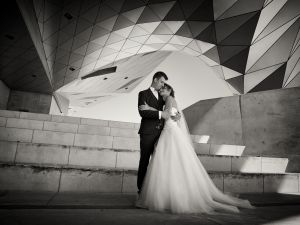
(88, 51)
(252, 45)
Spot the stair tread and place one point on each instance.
(111, 169)
(70, 121)
(137, 151)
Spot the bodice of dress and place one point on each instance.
(170, 122)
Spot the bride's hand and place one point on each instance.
(176, 117)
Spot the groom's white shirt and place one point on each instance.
(155, 93)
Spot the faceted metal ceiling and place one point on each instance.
(20, 66)
(130, 72)
(252, 45)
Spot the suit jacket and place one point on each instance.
(150, 124)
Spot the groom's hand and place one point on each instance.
(176, 117)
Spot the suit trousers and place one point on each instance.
(147, 144)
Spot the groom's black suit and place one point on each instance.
(149, 131)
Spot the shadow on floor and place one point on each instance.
(82, 208)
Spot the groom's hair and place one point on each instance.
(158, 75)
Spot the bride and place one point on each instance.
(176, 181)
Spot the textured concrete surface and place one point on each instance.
(93, 129)
(41, 154)
(3, 121)
(97, 141)
(29, 178)
(15, 134)
(53, 154)
(35, 116)
(29, 102)
(65, 119)
(114, 128)
(85, 161)
(24, 123)
(91, 181)
(4, 94)
(95, 179)
(271, 124)
(52, 137)
(7, 151)
(62, 127)
(92, 157)
(51, 199)
(267, 123)
(286, 215)
(66, 208)
(126, 143)
(9, 114)
(219, 118)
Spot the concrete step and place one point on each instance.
(68, 124)
(216, 149)
(48, 154)
(39, 125)
(112, 137)
(21, 177)
(11, 117)
(73, 135)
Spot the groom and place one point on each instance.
(152, 122)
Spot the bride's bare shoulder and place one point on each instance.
(172, 101)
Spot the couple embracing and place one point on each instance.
(174, 180)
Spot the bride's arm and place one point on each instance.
(171, 102)
(168, 104)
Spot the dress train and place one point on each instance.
(177, 182)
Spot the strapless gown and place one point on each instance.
(177, 182)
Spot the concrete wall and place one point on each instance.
(4, 94)
(271, 122)
(267, 123)
(29, 102)
(219, 118)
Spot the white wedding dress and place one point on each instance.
(177, 182)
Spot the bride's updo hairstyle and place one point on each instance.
(169, 88)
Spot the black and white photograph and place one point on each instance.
(150, 112)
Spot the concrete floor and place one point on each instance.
(261, 215)
(26, 208)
